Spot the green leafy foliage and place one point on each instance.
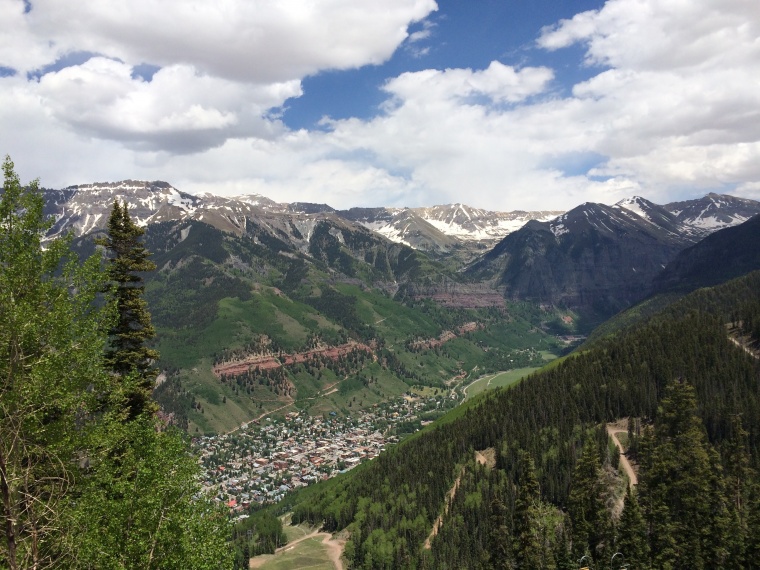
(139, 505)
(81, 487)
(260, 533)
(50, 366)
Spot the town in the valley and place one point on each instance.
(259, 463)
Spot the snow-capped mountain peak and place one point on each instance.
(637, 205)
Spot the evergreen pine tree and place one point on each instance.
(632, 533)
(752, 547)
(528, 547)
(562, 557)
(587, 511)
(499, 549)
(737, 477)
(684, 505)
(128, 355)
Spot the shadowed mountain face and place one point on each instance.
(726, 254)
(600, 259)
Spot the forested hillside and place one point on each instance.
(331, 322)
(554, 493)
(724, 255)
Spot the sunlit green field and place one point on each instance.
(310, 553)
(499, 380)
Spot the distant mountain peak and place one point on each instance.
(128, 184)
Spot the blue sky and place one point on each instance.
(499, 104)
(462, 35)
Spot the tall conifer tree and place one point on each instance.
(528, 546)
(128, 354)
(587, 511)
(632, 533)
(680, 480)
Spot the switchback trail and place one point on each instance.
(613, 430)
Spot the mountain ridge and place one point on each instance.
(438, 229)
(595, 258)
(600, 259)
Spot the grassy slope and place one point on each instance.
(289, 323)
(206, 304)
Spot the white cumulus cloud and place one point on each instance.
(669, 107)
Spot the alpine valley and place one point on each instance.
(642, 445)
(262, 306)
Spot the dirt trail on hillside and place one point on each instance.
(486, 457)
(613, 430)
(334, 550)
(743, 346)
(439, 521)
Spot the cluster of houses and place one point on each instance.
(261, 463)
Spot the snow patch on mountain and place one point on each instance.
(635, 204)
(389, 231)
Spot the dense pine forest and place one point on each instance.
(553, 495)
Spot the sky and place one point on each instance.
(498, 104)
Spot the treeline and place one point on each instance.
(389, 507)
(260, 533)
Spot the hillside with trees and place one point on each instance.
(555, 494)
(89, 476)
(218, 298)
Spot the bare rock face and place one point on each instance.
(457, 295)
(445, 228)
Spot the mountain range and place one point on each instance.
(437, 229)
(239, 273)
(594, 259)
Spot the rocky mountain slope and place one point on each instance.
(713, 212)
(442, 229)
(599, 259)
(438, 230)
(725, 254)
